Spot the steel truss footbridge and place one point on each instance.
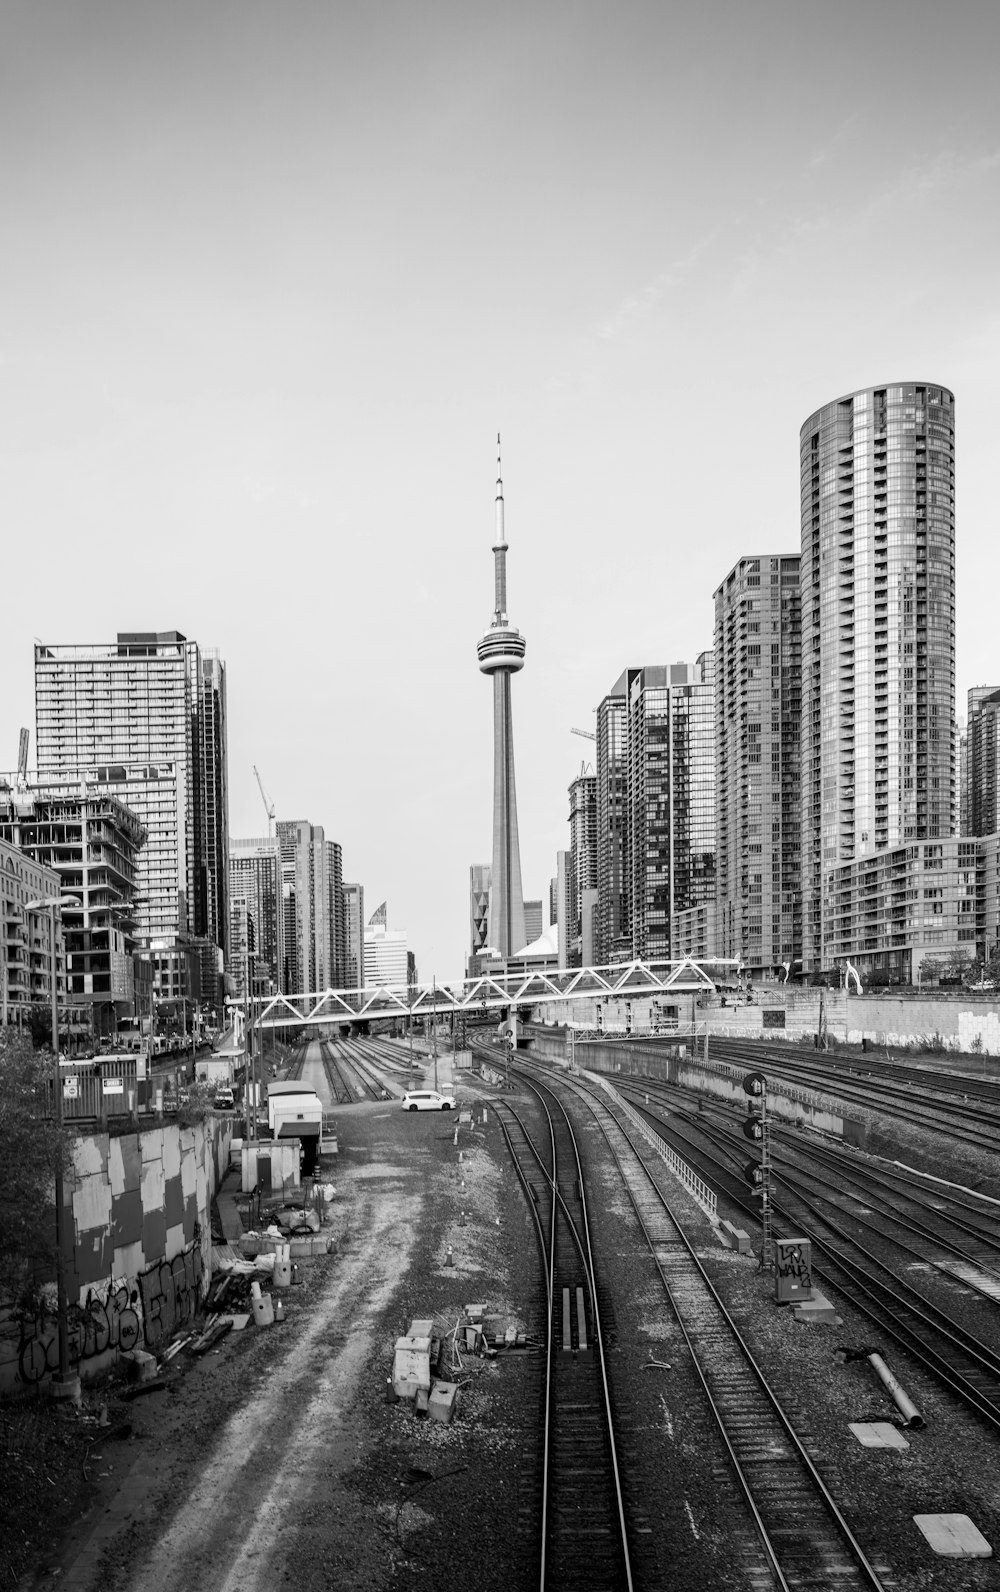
(490, 992)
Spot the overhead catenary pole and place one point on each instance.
(434, 1039)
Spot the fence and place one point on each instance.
(696, 1187)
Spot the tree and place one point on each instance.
(30, 1151)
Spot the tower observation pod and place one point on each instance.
(501, 654)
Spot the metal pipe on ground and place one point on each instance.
(903, 1403)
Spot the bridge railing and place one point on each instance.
(510, 986)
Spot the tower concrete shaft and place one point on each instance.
(501, 654)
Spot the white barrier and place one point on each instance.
(696, 1187)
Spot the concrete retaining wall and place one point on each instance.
(957, 1022)
(137, 1249)
(686, 1070)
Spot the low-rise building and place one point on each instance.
(888, 913)
(90, 841)
(26, 937)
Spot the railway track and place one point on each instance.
(957, 1359)
(791, 1531)
(964, 1109)
(583, 1537)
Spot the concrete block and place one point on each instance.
(818, 1308)
(735, 1237)
(475, 1312)
(422, 1327)
(877, 1434)
(422, 1400)
(145, 1364)
(954, 1536)
(411, 1365)
(443, 1401)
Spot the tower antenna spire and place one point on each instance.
(501, 654)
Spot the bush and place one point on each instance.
(31, 1149)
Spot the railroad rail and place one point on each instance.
(583, 1535)
(803, 1535)
(955, 1357)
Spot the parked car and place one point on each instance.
(224, 1100)
(427, 1100)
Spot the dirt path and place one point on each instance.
(233, 1518)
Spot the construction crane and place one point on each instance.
(22, 760)
(588, 735)
(268, 806)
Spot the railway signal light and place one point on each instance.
(754, 1083)
(753, 1128)
(754, 1174)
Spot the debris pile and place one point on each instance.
(427, 1364)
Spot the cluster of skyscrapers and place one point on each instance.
(125, 825)
(799, 797)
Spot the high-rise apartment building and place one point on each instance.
(757, 707)
(313, 907)
(982, 762)
(145, 719)
(354, 935)
(877, 580)
(257, 920)
(501, 654)
(211, 808)
(337, 933)
(582, 865)
(670, 798)
(613, 942)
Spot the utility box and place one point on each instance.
(441, 1404)
(793, 1270)
(411, 1367)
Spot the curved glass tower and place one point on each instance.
(501, 654)
(877, 583)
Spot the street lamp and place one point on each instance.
(68, 1385)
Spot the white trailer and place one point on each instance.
(295, 1111)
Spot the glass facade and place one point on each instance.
(877, 582)
(612, 942)
(583, 861)
(256, 920)
(670, 800)
(982, 762)
(312, 904)
(145, 719)
(354, 933)
(757, 704)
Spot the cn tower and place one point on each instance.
(501, 654)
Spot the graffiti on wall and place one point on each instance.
(123, 1315)
(169, 1293)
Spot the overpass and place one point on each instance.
(490, 992)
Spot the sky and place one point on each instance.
(274, 276)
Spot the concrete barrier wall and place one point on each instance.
(137, 1250)
(957, 1022)
(618, 1058)
(968, 1025)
